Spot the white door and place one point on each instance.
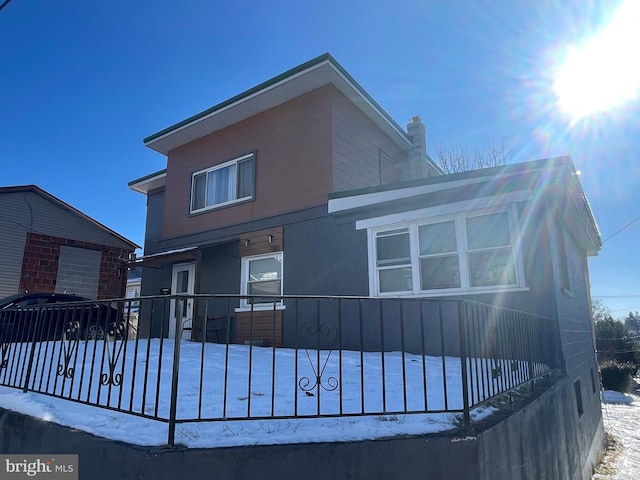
(182, 282)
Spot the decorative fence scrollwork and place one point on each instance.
(330, 332)
(4, 352)
(70, 341)
(113, 345)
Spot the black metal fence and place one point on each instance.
(199, 358)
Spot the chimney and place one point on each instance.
(418, 155)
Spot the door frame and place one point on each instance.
(189, 267)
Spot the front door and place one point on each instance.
(182, 282)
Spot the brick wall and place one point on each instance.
(42, 257)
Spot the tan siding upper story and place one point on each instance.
(305, 149)
(357, 143)
(293, 164)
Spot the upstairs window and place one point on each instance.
(224, 184)
(471, 251)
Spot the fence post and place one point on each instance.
(462, 324)
(174, 376)
(25, 387)
(530, 335)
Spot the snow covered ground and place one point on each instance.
(621, 412)
(621, 415)
(262, 382)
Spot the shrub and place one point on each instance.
(613, 343)
(616, 375)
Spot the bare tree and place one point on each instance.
(456, 158)
(599, 311)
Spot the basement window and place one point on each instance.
(579, 398)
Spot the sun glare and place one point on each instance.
(605, 73)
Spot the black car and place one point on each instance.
(53, 316)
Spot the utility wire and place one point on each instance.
(629, 309)
(4, 4)
(615, 296)
(623, 228)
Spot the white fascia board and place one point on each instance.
(148, 184)
(446, 209)
(588, 226)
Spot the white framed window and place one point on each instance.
(474, 251)
(224, 184)
(261, 275)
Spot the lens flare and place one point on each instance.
(605, 72)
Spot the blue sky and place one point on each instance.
(83, 82)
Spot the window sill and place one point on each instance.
(566, 292)
(265, 308)
(449, 293)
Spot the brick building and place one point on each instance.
(49, 246)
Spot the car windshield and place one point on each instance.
(29, 299)
(9, 300)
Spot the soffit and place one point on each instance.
(150, 182)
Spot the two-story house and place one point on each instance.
(303, 185)
(242, 204)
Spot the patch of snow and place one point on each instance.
(611, 396)
(621, 419)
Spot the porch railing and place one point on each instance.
(231, 357)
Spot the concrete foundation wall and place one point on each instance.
(547, 440)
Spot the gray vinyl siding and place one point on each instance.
(33, 213)
(574, 314)
(324, 257)
(12, 240)
(155, 217)
(575, 325)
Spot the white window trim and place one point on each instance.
(465, 288)
(244, 281)
(206, 171)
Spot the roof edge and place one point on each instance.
(450, 177)
(314, 62)
(48, 196)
